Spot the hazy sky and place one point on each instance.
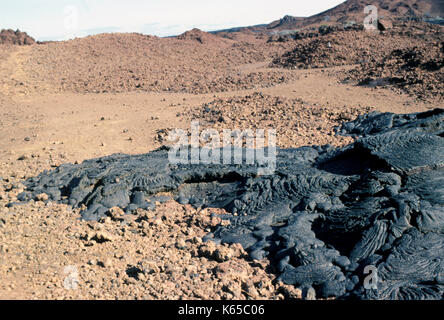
(64, 19)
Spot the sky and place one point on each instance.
(66, 19)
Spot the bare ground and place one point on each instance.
(150, 255)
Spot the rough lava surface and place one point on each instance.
(17, 37)
(322, 218)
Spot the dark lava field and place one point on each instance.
(323, 218)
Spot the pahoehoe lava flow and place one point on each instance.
(324, 215)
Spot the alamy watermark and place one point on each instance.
(71, 21)
(72, 14)
(371, 280)
(71, 281)
(236, 147)
(372, 18)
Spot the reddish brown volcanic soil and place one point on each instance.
(341, 47)
(196, 62)
(69, 101)
(417, 70)
(297, 123)
(375, 54)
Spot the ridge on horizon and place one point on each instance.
(350, 11)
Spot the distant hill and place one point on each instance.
(203, 37)
(194, 62)
(9, 36)
(352, 11)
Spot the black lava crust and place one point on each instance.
(324, 218)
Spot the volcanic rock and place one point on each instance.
(15, 37)
(324, 217)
